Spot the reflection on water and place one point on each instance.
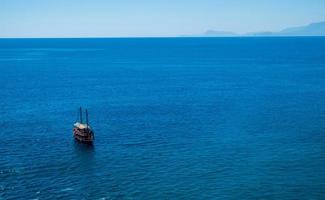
(84, 147)
(85, 157)
(84, 152)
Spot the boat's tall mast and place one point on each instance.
(80, 112)
(87, 118)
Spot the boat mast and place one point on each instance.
(80, 112)
(87, 118)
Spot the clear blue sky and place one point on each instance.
(133, 18)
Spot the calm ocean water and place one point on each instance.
(186, 118)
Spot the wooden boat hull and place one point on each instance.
(83, 141)
(82, 136)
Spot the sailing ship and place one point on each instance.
(82, 132)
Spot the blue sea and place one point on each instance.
(174, 118)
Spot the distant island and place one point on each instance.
(314, 29)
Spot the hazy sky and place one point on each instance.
(133, 18)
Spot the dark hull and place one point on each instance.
(83, 141)
(82, 136)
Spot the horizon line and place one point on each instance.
(153, 37)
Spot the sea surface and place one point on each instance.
(174, 118)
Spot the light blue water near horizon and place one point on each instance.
(174, 118)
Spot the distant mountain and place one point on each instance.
(314, 29)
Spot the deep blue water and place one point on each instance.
(186, 118)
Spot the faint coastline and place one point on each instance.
(314, 29)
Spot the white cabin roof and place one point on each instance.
(81, 126)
